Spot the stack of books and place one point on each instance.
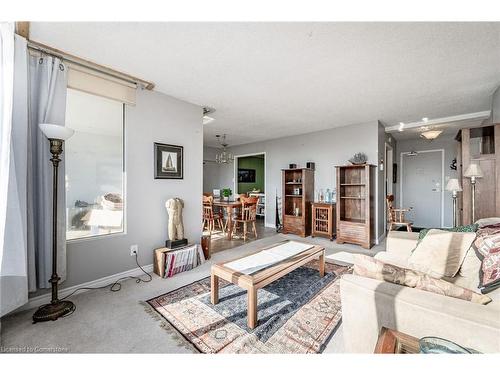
(176, 261)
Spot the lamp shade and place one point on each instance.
(53, 131)
(473, 171)
(453, 185)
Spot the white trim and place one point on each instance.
(441, 120)
(442, 179)
(235, 178)
(45, 298)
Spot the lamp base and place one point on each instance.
(53, 311)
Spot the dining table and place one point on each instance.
(229, 206)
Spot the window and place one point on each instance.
(94, 166)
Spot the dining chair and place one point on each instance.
(396, 216)
(210, 217)
(248, 214)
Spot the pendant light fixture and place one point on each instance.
(224, 156)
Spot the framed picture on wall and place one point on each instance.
(169, 161)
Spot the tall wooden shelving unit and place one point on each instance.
(480, 146)
(355, 204)
(292, 179)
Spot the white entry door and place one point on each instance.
(422, 186)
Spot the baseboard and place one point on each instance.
(45, 298)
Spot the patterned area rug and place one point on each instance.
(296, 314)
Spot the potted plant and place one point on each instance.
(227, 193)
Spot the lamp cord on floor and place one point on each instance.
(117, 286)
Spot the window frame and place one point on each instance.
(123, 232)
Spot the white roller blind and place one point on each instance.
(92, 82)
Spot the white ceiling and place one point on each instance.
(268, 80)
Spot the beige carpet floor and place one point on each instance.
(107, 322)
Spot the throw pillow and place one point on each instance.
(441, 253)
(488, 221)
(487, 246)
(372, 268)
(461, 228)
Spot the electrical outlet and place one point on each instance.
(134, 250)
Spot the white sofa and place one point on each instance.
(368, 305)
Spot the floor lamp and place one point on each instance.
(56, 308)
(454, 186)
(473, 172)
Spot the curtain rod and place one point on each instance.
(88, 64)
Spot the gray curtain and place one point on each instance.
(47, 104)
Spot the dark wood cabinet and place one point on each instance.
(297, 195)
(323, 220)
(355, 204)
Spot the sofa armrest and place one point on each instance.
(368, 305)
(401, 243)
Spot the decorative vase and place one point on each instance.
(321, 196)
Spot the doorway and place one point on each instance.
(422, 177)
(250, 179)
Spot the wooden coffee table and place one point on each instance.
(263, 272)
(393, 342)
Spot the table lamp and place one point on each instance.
(56, 134)
(454, 186)
(473, 171)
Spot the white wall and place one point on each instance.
(155, 118)
(449, 145)
(326, 148)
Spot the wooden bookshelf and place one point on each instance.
(355, 204)
(296, 206)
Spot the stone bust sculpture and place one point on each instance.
(175, 227)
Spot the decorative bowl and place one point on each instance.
(436, 345)
(359, 159)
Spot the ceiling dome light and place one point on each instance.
(207, 120)
(401, 126)
(425, 119)
(431, 134)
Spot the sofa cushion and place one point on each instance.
(470, 269)
(399, 260)
(375, 269)
(441, 253)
